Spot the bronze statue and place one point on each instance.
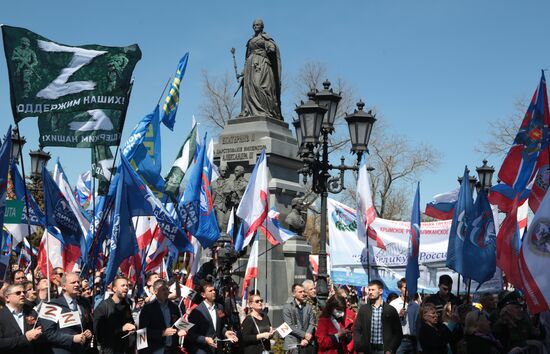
(221, 197)
(261, 78)
(296, 219)
(239, 186)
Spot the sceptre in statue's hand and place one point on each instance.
(237, 75)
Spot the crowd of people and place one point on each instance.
(351, 320)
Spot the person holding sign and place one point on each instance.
(72, 333)
(17, 335)
(113, 321)
(158, 317)
(256, 328)
(208, 328)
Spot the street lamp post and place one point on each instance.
(17, 142)
(485, 174)
(314, 126)
(39, 158)
(472, 180)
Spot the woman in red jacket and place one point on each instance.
(332, 335)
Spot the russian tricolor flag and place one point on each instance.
(254, 204)
(443, 205)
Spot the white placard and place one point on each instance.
(284, 330)
(69, 319)
(141, 339)
(50, 312)
(183, 324)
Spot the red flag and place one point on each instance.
(508, 246)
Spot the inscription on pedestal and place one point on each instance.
(240, 147)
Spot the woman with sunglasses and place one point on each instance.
(256, 327)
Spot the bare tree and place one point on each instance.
(220, 103)
(396, 161)
(502, 132)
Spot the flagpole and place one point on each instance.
(468, 294)
(111, 202)
(458, 286)
(47, 253)
(27, 205)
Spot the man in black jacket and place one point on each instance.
(377, 326)
(76, 338)
(113, 321)
(16, 332)
(158, 316)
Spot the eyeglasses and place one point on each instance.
(18, 293)
(60, 274)
(259, 301)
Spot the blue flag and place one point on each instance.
(479, 250)
(188, 208)
(134, 198)
(208, 231)
(36, 217)
(459, 225)
(5, 156)
(412, 272)
(143, 150)
(100, 229)
(172, 100)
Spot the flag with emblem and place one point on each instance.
(134, 198)
(50, 78)
(143, 150)
(459, 225)
(479, 247)
(172, 100)
(530, 148)
(534, 258)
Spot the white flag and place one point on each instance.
(534, 258)
(50, 312)
(69, 319)
(141, 340)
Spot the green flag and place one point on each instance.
(81, 129)
(48, 77)
(102, 167)
(183, 160)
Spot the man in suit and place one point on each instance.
(16, 332)
(207, 324)
(73, 339)
(159, 316)
(298, 314)
(377, 326)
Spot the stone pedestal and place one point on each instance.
(240, 143)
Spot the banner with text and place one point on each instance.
(348, 252)
(48, 77)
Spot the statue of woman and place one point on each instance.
(261, 76)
